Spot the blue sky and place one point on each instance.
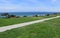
(29, 5)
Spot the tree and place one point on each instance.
(36, 15)
(18, 17)
(11, 16)
(5, 14)
(55, 14)
(24, 16)
(48, 15)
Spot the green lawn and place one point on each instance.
(10, 21)
(47, 29)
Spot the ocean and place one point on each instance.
(29, 13)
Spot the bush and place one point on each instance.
(24, 16)
(48, 15)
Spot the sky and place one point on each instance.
(29, 5)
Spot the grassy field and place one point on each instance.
(10, 21)
(47, 29)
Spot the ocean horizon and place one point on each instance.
(29, 13)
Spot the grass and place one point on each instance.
(47, 29)
(10, 21)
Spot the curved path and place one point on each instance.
(5, 28)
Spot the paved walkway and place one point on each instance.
(5, 28)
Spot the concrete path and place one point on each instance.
(5, 28)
